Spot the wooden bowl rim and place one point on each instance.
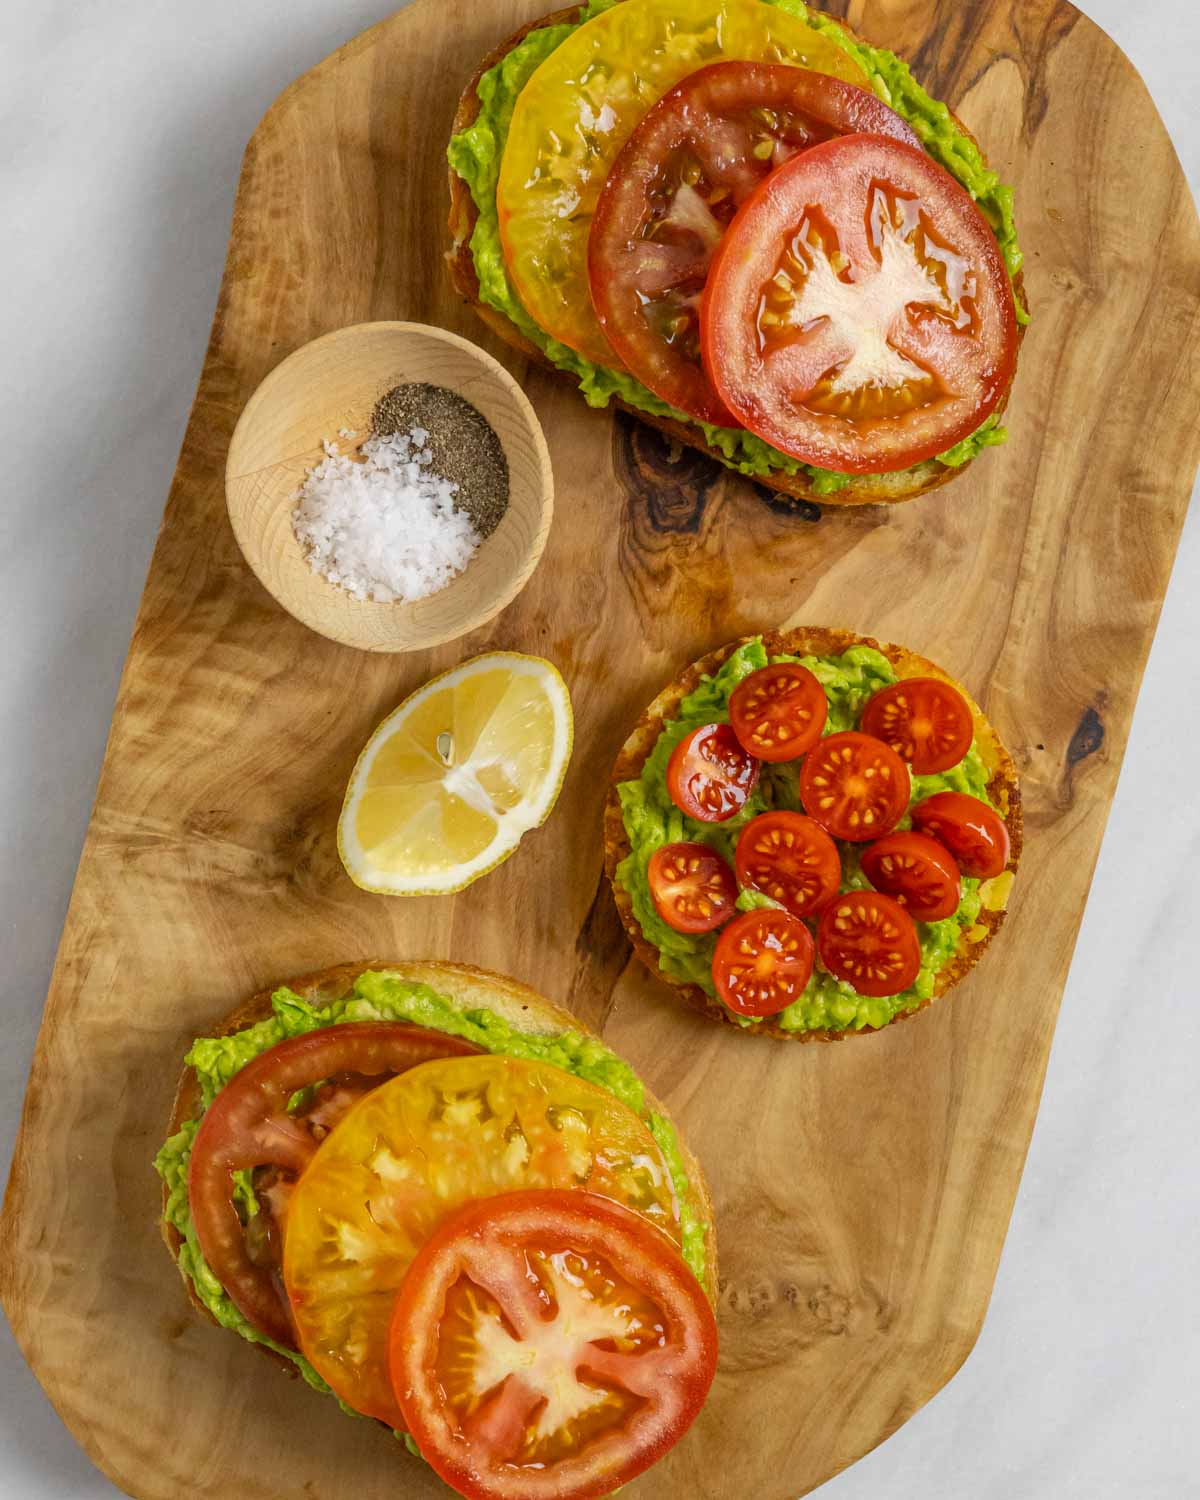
(236, 471)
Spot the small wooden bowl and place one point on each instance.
(333, 384)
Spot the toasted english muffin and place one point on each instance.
(1003, 789)
(864, 489)
(466, 988)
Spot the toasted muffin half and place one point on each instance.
(1003, 789)
(864, 489)
(467, 989)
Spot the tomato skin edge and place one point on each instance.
(466, 1162)
(804, 827)
(909, 940)
(718, 91)
(242, 1105)
(670, 914)
(800, 744)
(744, 923)
(411, 1336)
(922, 764)
(856, 741)
(922, 846)
(760, 418)
(941, 814)
(676, 766)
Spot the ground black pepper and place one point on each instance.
(461, 444)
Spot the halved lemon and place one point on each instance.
(452, 779)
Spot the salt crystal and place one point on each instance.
(385, 529)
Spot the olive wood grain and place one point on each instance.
(862, 1192)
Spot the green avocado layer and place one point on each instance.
(475, 154)
(652, 819)
(384, 997)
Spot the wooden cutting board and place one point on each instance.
(862, 1190)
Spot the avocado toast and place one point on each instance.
(498, 1014)
(636, 801)
(478, 271)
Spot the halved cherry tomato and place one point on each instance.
(672, 191)
(709, 775)
(692, 887)
(974, 833)
(791, 859)
(926, 721)
(854, 785)
(763, 961)
(857, 313)
(548, 1346)
(779, 711)
(412, 1152)
(248, 1125)
(871, 942)
(918, 871)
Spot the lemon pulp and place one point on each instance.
(450, 782)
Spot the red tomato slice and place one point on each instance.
(248, 1125)
(857, 313)
(918, 871)
(692, 887)
(672, 191)
(763, 961)
(414, 1151)
(926, 721)
(854, 785)
(548, 1345)
(779, 711)
(871, 942)
(791, 859)
(969, 828)
(709, 775)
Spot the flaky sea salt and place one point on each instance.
(386, 528)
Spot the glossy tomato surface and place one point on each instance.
(249, 1127)
(762, 962)
(870, 941)
(791, 859)
(548, 1346)
(854, 785)
(973, 832)
(672, 191)
(578, 109)
(412, 1152)
(710, 775)
(692, 887)
(857, 312)
(918, 871)
(926, 721)
(779, 711)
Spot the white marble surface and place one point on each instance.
(123, 125)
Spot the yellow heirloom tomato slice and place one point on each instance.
(577, 111)
(414, 1151)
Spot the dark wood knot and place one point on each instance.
(670, 482)
(1087, 739)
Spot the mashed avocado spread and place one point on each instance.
(652, 819)
(384, 997)
(475, 154)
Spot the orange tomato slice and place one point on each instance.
(580, 107)
(411, 1153)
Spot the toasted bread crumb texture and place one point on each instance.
(478, 268)
(640, 817)
(496, 1014)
